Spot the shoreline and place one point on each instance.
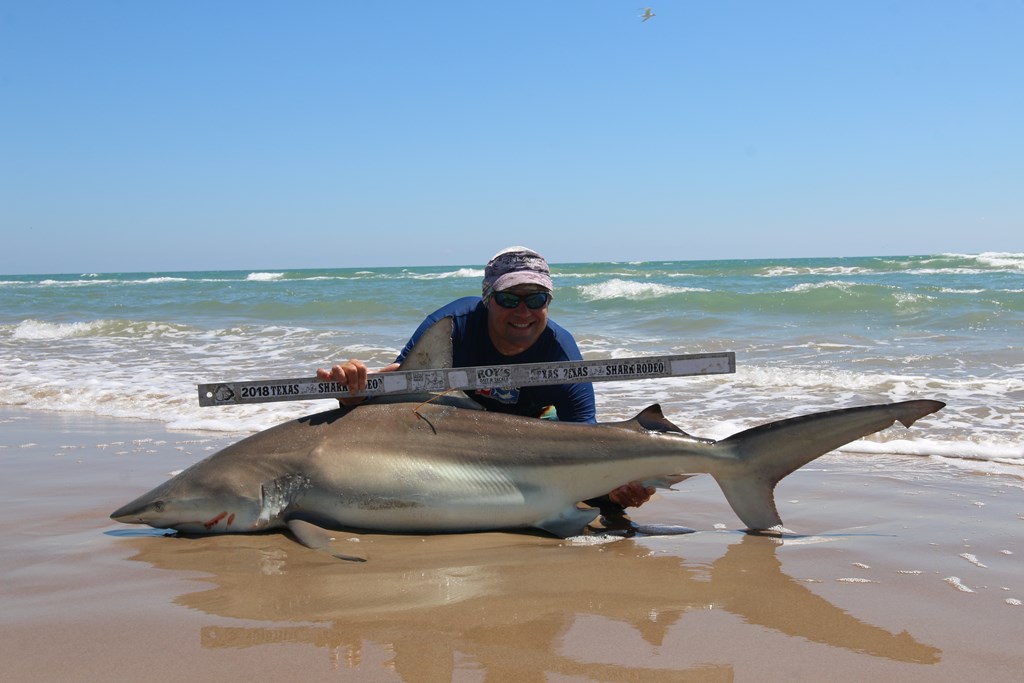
(892, 571)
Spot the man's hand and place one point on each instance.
(353, 375)
(632, 495)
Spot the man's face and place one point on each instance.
(513, 330)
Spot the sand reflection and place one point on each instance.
(501, 603)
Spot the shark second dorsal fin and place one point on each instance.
(433, 349)
(651, 419)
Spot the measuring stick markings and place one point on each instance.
(481, 377)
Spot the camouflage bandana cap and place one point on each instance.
(516, 266)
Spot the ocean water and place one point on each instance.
(809, 334)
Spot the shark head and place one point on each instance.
(194, 503)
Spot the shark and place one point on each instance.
(442, 464)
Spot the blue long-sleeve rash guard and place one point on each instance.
(472, 346)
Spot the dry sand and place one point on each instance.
(904, 570)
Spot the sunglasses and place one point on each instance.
(533, 301)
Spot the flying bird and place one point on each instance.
(647, 14)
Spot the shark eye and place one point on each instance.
(158, 506)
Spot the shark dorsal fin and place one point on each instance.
(433, 349)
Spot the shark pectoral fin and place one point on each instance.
(569, 522)
(318, 538)
(753, 501)
(310, 535)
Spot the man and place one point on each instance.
(508, 324)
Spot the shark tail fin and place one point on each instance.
(769, 452)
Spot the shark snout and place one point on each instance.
(132, 513)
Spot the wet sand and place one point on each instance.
(898, 569)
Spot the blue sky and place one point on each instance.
(147, 136)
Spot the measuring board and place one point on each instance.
(471, 378)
